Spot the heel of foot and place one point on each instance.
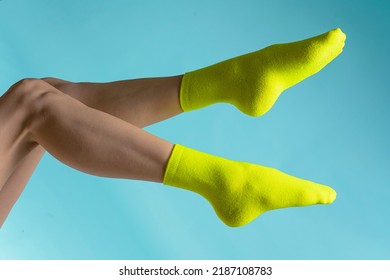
(237, 216)
(258, 98)
(259, 106)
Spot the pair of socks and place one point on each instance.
(239, 191)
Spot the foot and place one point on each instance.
(262, 189)
(239, 192)
(253, 82)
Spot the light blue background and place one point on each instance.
(332, 128)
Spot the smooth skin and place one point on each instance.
(33, 110)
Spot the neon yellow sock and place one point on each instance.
(239, 191)
(254, 81)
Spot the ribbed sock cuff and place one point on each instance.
(173, 164)
(184, 93)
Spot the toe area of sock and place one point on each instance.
(332, 195)
(338, 37)
(328, 195)
(338, 32)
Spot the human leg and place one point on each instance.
(240, 191)
(140, 102)
(17, 181)
(93, 141)
(28, 107)
(251, 82)
(18, 155)
(100, 144)
(14, 116)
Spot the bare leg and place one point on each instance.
(18, 157)
(13, 144)
(140, 102)
(84, 138)
(17, 182)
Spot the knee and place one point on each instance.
(30, 97)
(54, 81)
(62, 85)
(27, 85)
